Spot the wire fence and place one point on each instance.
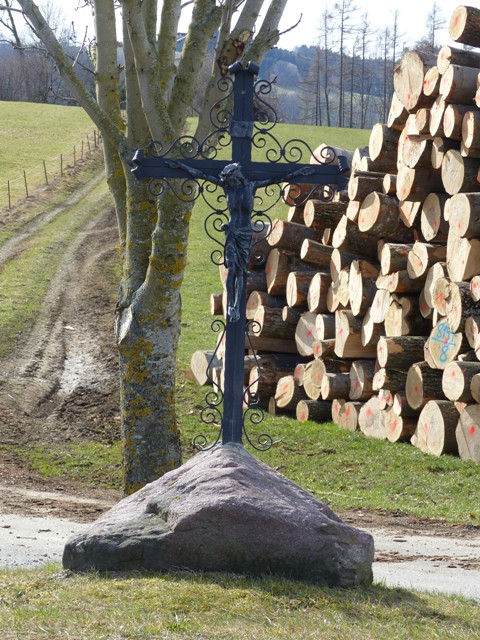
(46, 171)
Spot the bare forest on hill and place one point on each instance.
(343, 80)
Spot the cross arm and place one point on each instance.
(260, 173)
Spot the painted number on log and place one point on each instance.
(445, 336)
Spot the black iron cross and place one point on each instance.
(239, 178)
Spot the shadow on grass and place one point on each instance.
(292, 595)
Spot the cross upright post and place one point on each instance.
(239, 178)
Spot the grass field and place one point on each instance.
(32, 134)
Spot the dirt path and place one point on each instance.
(61, 383)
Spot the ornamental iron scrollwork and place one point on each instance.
(240, 193)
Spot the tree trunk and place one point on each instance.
(416, 184)
(443, 345)
(361, 184)
(390, 379)
(422, 256)
(383, 144)
(459, 174)
(261, 299)
(298, 284)
(288, 393)
(316, 253)
(324, 348)
(350, 413)
(452, 55)
(393, 256)
(279, 264)
(399, 428)
(397, 116)
(349, 337)
(201, 364)
(400, 352)
(361, 379)
(316, 410)
(371, 419)
(460, 305)
(459, 84)
(268, 323)
(317, 292)
(408, 78)
(440, 146)
(467, 433)
(361, 291)
(422, 384)
(431, 87)
(319, 215)
(464, 218)
(290, 236)
(305, 334)
(335, 385)
(433, 224)
(453, 120)
(463, 257)
(435, 432)
(456, 380)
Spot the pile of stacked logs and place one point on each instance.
(366, 310)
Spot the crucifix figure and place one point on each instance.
(240, 193)
(239, 178)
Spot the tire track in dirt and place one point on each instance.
(12, 246)
(60, 383)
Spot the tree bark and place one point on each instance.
(269, 324)
(464, 25)
(393, 256)
(288, 393)
(422, 256)
(399, 428)
(452, 55)
(400, 352)
(319, 215)
(349, 337)
(290, 236)
(316, 253)
(459, 84)
(279, 264)
(315, 410)
(416, 184)
(422, 384)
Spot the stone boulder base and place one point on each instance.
(224, 510)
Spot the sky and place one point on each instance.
(412, 17)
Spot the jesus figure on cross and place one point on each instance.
(240, 193)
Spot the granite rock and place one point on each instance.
(225, 510)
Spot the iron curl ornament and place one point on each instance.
(240, 192)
